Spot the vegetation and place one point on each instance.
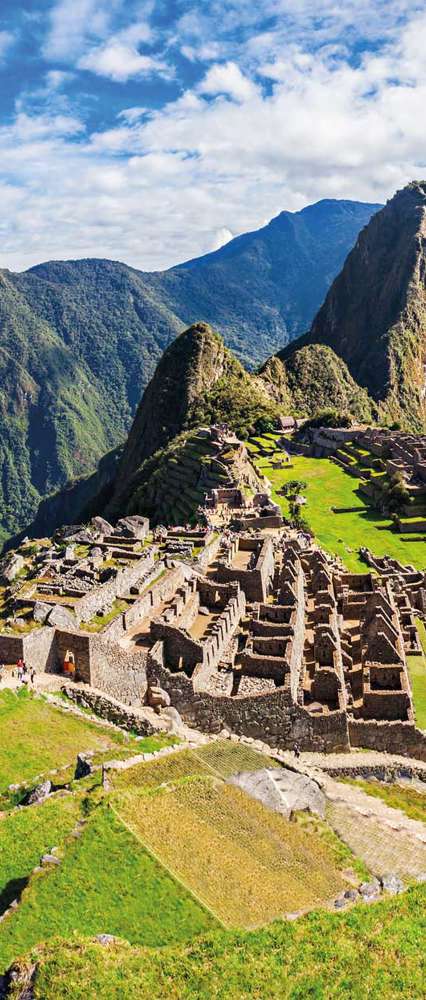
(410, 801)
(374, 315)
(36, 737)
(417, 673)
(107, 883)
(374, 951)
(316, 377)
(339, 515)
(246, 863)
(27, 834)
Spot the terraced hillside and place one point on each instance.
(162, 860)
(340, 514)
(384, 491)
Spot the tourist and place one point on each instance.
(296, 751)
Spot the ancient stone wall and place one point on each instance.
(111, 710)
(394, 737)
(104, 595)
(118, 673)
(254, 582)
(272, 717)
(79, 645)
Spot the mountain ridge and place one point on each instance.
(79, 341)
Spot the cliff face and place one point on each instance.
(374, 315)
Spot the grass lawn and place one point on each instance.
(328, 486)
(411, 802)
(25, 835)
(375, 951)
(36, 737)
(417, 672)
(107, 883)
(246, 863)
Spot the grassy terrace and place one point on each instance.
(35, 737)
(417, 671)
(341, 534)
(374, 951)
(107, 882)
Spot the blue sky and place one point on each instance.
(154, 131)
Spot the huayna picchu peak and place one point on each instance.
(374, 316)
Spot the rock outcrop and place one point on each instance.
(374, 315)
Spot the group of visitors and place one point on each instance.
(24, 674)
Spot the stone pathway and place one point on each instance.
(356, 762)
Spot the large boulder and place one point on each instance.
(282, 790)
(101, 526)
(61, 617)
(41, 611)
(11, 566)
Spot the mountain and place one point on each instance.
(197, 382)
(262, 289)
(79, 340)
(314, 378)
(374, 315)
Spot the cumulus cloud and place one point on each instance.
(227, 78)
(278, 126)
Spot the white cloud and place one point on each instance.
(222, 237)
(120, 61)
(227, 78)
(72, 22)
(161, 187)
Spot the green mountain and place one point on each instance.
(313, 378)
(79, 340)
(263, 289)
(374, 316)
(166, 465)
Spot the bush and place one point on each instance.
(327, 418)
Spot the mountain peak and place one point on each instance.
(374, 315)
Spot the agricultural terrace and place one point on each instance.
(336, 511)
(36, 737)
(417, 672)
(247, 864)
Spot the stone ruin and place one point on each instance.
(259, 632)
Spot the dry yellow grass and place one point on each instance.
(247, 864)
(222, 759)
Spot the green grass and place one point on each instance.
(107, 883)
(374, 951)
(328, 486)
(35, 737)
(417, 673)
(26, 834)
(99, 622)
(412, 802)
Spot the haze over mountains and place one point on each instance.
(79, 340)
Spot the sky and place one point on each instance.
(154, 131)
